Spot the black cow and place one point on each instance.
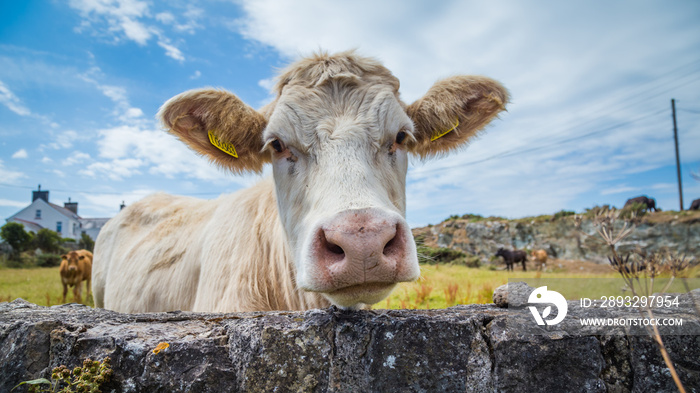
(512, 257)
(650, 203)
(695, 205)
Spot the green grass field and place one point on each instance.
(38, 285)
(440, 286)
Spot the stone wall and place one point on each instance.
(472, 348)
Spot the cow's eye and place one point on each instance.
(400, 137)
(277, 145)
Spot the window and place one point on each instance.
(59, 226)
(75, 228)
(38, 214)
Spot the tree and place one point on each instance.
(48, 240)
(15, 235)
(86, 242)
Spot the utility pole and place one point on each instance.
(678, 159)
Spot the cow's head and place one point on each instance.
(338, 138)
(71, 261)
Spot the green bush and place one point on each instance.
(633, 210)
(472, 261)
(562, 214)
(597, 210)
(432, 255)
(15, 235)
(86, 242)
(48, 241)
(48, 260)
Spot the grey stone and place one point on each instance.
(519, 292)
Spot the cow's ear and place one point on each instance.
(453, 111)
(81, 257)
(217, 124)
(64, 256)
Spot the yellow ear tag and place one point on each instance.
(440, 134)
(223, 146)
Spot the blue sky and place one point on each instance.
(589, 123)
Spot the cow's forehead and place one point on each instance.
(337, 109)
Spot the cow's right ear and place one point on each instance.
(218, 125)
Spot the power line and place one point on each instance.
(636, 95)
(517, 151)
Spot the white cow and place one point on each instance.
(328, 228)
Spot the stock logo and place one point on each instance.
(542, 295)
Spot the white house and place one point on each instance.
(65, 220)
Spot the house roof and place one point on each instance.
(40, 204)
(89, 223)
(65, 211)
(31, 225)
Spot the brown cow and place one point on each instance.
(540, 258)
(76, 267)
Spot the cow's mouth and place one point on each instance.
(366, 293)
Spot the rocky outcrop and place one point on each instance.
(562, 238)
(475, 348)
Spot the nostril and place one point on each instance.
(334, 248)
(391, 245)
(329, 245)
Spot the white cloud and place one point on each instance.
(11, 203)
(107, 204)
(130, 20)
(10, 100)
(118, 94)
(76, 157)
(114, 170)
(268, 83)
(165, 17)
(132, 149)
(171, 51)
(62, 140)
(664, 186)
(619, 190)
(196, 75)
(133, 113)
(8, 175)
(21, 153)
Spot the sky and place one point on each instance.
(589, 122)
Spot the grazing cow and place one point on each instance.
(695, 205)
(649, 203)
(76, 267)
(511, 257)
(327, 228)
(540, 258)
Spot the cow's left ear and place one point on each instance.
(453, 111)
(219, 125)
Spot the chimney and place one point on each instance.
(122, 206)
(72, 206)
(38, 194)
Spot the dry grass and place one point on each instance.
(442, 286)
